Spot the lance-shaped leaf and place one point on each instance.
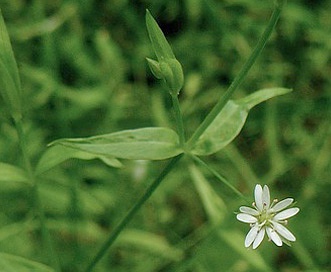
(59, 153)
(230, 121)
(13, 177)
(138, 144)
(160, 44)
(12, 263)
(10, 88)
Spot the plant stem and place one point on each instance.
(39, 211)
(129, 216)
(239, 78)
(219, 177)
(179, 119)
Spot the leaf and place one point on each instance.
(11, 173)
(59, 153)
(235, 240)
(10, 87)
(161, 47)
(12, 263)
(213, 204)
(229, 122)
(138, 144)
(153, 243)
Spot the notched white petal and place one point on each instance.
(248, 210)
(272, 234)
(266, 196)
(259, 238)
(281, 205)
(246, 218)
(258, 197)
(251, 235)
(283, 231)
(286, 214)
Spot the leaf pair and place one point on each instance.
(157, 143)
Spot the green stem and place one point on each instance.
(179, 119)
(219, 177)
(239, 78)
(39, 211)
(129, 216)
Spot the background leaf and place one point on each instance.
(11, 263)
(12, 177)
(230, 121)
(10, 87)
(138, 144)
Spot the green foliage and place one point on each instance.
(10, 88)
(229, 122)
(138, 144)
(12, 263)
(83, 72)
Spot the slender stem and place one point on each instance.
(219, 177)
(239, 78)
(129, 216)
(179, 119)
(39, 211)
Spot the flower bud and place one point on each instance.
(172, 72)
(155, 68)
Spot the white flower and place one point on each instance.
(268, 218)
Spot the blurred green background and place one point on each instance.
(83, 71)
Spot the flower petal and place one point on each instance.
(281, 205)
(251, 235)
(246, 218)
(266, 197)
(286, 214)
(249, 210)
(259, 238)
(283, 231)
(272, 234)
(258, 197)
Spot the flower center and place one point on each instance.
(265, 216)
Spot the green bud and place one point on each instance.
(167, 67)
(155, 68)
(173, 75)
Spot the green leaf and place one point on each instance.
(138, 144)
(11, 173)
(160, 45)
(235, 240)
(213, 204)
(59, 153)
(230, 121)
(150, 242)
(10, 87)
(12, 263)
